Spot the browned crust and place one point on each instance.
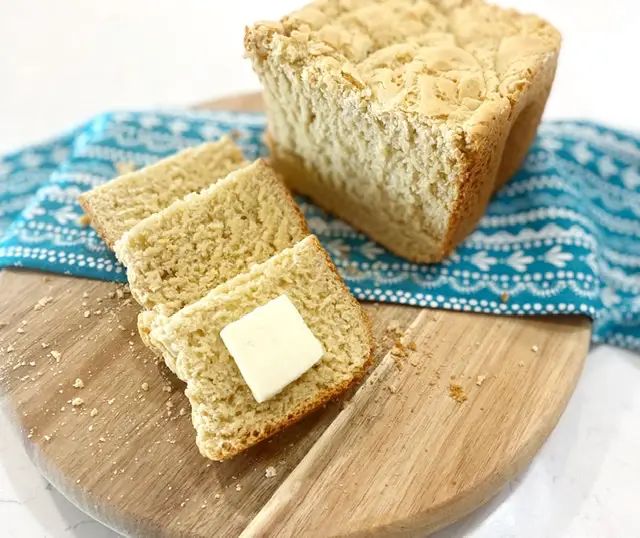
(231, 449)
(491, 160)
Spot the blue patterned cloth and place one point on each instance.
(563, 236)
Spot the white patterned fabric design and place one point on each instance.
(562, 237)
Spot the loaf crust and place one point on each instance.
(400, 116)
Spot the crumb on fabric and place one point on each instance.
(504, 297)
(84, 221)
(124, 167)
(457, 393)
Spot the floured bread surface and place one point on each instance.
(403, 116)
(226, 416)
(176, 256)
(121, 203)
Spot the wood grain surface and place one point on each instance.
(429, 436)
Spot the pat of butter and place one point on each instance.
(272, 347)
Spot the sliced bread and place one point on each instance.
(176, 256)
(225, 415)
(121, 203)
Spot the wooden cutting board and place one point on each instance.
(425, 440)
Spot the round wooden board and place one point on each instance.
(397, 456)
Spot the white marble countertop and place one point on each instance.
(64, 61)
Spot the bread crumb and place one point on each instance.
(167, 388)
(94, 412)
(216, 496)
(44, 346)
(32, 363)
(145, 386)
(124, 167)
(504, 297)
(76, 402)
(46, 438)
(42, 302)
(122, 328)
(10, 348)
(87, 313)
(84, 221)
(412, 346)
(90, 427)
(535, 349)
(270, 472)
(78, 383)
(119, 293)
(183, 411)
(457, 393)
(238, 487)
(56, 355)
(20, 330)
(480, 380)
(102, 440)
(521, 364)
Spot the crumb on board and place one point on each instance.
(480, 380)
(78, 383)
(521, 364)
(238, 487)
(145, 386)
(20, 330)
(42, 302)
(94, 412)
(535, 348)
(56, 355)
(457, 393)
(270, 472)
(86, 313)
(47, 438)
(77, 402)
(167, 388)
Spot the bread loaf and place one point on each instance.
(403, 116)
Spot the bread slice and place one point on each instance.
(176, 256)
(224, 413)
(403, 116)
(121, 203)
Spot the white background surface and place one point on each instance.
(63, 61)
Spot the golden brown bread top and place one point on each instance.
(459, 61)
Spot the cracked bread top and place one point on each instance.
(455, 61)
